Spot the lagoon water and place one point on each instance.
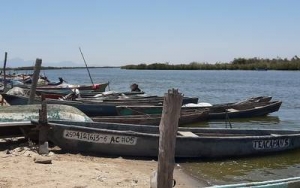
(218, 87)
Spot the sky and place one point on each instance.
(114, 33)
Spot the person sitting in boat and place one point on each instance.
(56, 83)
(135, 88)
(43, 80)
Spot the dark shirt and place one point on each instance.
(136, 90)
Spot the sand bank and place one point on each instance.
(18, 169)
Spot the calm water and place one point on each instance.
(219, 87)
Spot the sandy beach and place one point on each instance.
(18, 169)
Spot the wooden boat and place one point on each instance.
(142, 141)
(117, 98)
(10, 78)
(136, 110)
(94, 87)
(85, 94)
(120, 98)
(55, 93)
(92, 108)
(66, 88)
(246, 109)
(155, 99)
(121, 103)
(88, 108)
(186, 118)
(293, 182)
(111, 94)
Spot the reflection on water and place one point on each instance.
(281, 165)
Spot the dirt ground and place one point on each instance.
(18, 169)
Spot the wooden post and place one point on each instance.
(35, 79)
(167, 138)
(43, 128)
(4, 72)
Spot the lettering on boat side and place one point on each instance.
(271, 143)
(99, 138)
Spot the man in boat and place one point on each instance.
(135, 88)
(43, 80)
(61, 80)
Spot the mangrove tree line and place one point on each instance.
(236, 64)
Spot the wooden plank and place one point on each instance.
(35, 78)
(187, 133)
(4, 72)
(167, 139)
(43, 129)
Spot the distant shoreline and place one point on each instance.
(258, 64)
(55, 68)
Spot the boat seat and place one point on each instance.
(232, 110)
(187, 133)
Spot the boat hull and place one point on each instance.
(88, 108)
(66, 88)
(252, 109)
(263, 110)
(142, 141)
(185, 118)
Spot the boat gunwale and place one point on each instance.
(271, 104)
(292, 133)
(183, 107)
